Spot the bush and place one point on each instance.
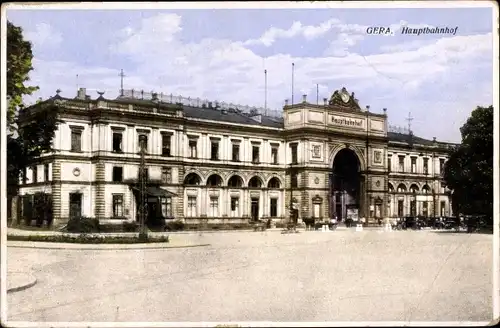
(83, 225)
(156, 223)
(89, 239)
(280, 225)
(130, 226)
(176, 225)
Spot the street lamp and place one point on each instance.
(143, 234)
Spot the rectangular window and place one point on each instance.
(166, 207)
(235, 206)
(117, 205)
(443, 208)
(46, 172)
(425, 209)
(214, 150)
(294, 153)
(274, 155)
(192, 149)
(165, 145)
(441, 165)
(235, 155)
(401, 167)
(294, 180)
(413, 207)
(117, 142)
(166, 175)
(214, 207)
(117, 174)
(34, 170)
(255, 154)
(191, 206)
(76, 140)
(273, 208)
(401, 208)
(426, 166)
(413, 165)
(143, 138)
(389, 164)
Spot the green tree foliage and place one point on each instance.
(19, 65)
(469, 170)
(31, 129)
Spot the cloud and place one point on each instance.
(228, 70)
(44, 36)
(269, 37)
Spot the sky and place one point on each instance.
(221, 54)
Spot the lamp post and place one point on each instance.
(143, 234)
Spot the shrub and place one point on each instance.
(176, 225)
(280, 225)
(89, 239)
(156, 223)
(83, 225)
(130, 226)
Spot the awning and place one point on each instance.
(157, 192)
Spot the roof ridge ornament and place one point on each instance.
(341, 98)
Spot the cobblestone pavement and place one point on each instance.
(265, 276)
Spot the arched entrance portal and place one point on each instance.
(345, 185)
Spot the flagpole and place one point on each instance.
(265, 92)
(293, 71)
(317, 94)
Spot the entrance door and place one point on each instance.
(75, 205)
(254, 209)
(316, 210)
(345, 183)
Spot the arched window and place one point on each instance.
(401, 188)
(235, 182)
(274, 183)
(426, 189)
(192, 179)
(214, 180)
(391, 187)
(414, 188)
(255, 182)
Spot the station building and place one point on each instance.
(209, 162)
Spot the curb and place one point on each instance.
(109, 247)
(24, 286)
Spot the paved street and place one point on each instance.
(245, 276)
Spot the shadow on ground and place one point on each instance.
(482, 232)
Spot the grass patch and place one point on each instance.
(90, 239)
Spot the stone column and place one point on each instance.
(100, 199)
(56, 195)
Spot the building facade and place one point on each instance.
(217, 164)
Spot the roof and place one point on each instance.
(238, 117)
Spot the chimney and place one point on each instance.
(286, 102)
(82, 94)
(209, 104)
(325, 101)
(434, 140)
(304, 98)
(385, 111)
(367, 108)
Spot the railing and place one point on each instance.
(398, 129)
(199, 103)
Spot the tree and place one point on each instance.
(31, 130)
(469, 171)
(19, 65)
